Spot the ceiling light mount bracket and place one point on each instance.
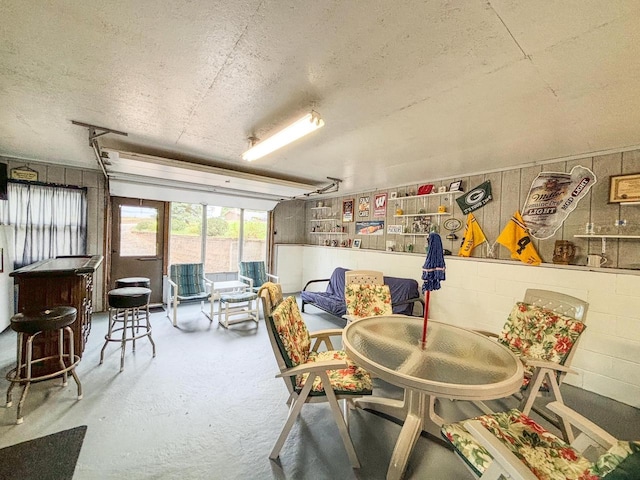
(333, 187)
(96, 132)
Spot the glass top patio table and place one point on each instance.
(456, 363)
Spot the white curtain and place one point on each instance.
(49, 221)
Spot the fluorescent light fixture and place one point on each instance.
(307, 124)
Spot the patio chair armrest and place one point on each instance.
(548, 365)
(597, 435)
(315, 281)
(329, 332)
(173, 289)
(273, 278)
(505, 459)
(313, 367)
(324, 336)
(246, 280)
(487, 333)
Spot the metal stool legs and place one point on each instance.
(130, 319)
(15, 377)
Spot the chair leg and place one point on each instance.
(153, 344)
(294, 411)
(340, 421)
(563, 424)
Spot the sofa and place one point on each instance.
(404, 295)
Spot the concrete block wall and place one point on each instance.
(479, 294)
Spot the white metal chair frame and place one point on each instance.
(230, 313)
(173, 298)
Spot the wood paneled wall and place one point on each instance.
(509, 188)
(94, 181)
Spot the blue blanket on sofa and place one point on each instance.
(404, 293)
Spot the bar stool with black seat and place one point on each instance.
(29, 325)
(143, 282)
(124, 305)
(135, 282)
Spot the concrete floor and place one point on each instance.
(209, 407)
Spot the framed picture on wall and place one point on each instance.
(347, 210)
(624, 188)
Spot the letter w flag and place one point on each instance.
(515, 237)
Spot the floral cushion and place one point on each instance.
(292, 332)
(540, 334)
(547, 456)
(621, 462)
(368, 300)
(351, 380)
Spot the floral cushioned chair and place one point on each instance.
(543, 331)
(512, 445)
(367, 300)
(306, 370)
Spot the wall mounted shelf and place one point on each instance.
(604, 237)
(427, 214)
(429, 195)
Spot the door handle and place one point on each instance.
(148, 259)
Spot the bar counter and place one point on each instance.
(59, 281)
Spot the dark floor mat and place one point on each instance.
(52, 457)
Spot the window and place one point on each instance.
(138, 231)
(254, 246)
(48, 220)
(223, 234)
(232, 234)
(185, 245)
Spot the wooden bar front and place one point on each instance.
(55, 282)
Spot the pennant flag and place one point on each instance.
(515, 237)
(473, 236)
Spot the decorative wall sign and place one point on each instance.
(380, 205)
(624, 188)
(552, 197)
(24, 173)
(455, 186)
(477, 198)
(347, 210)
(372, 227)
(395, 229)
(364, 207)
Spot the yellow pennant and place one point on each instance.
(473, 236)
(516, 238)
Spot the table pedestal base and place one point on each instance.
(418, 411)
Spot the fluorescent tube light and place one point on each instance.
(307, 124)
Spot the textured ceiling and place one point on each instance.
(408, 90)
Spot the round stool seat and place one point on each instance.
(33, 321)
(133, 282)
(129, 297)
